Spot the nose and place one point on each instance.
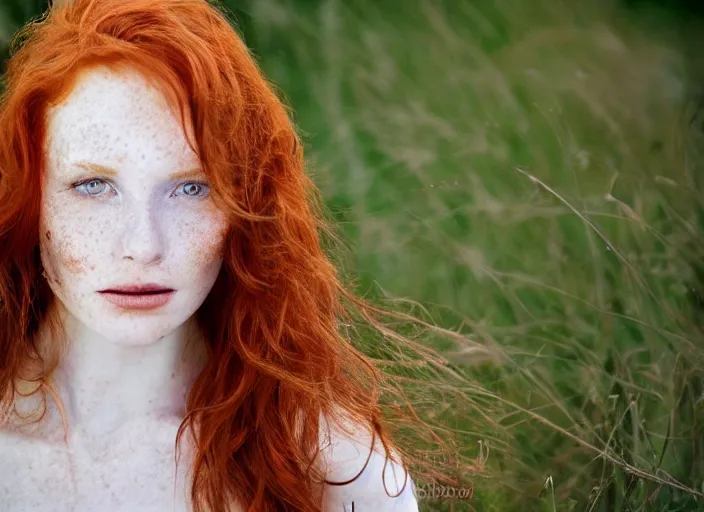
(142, 239)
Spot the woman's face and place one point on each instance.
(124, 203)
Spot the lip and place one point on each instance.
(139, 297)
(137, 288)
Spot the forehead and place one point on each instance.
(118, 114)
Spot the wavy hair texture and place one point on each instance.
(280, 354)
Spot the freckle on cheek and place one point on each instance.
(211, 251)
(73, 265)
(67, 261)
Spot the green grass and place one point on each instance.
(527, 171)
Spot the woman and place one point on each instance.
(163, 290)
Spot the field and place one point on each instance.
(529, 172)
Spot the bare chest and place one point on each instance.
(135, 471)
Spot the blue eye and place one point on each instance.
(93, 187)
(194, 189)
(96, 187)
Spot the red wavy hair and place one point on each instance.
(278, 360)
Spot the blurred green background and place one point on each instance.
(530, 172)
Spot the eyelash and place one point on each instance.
(78, 184)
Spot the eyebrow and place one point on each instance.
(104, 170)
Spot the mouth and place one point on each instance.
(138, 289)
(149, 296)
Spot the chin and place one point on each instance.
(132, 331)
(135, 338)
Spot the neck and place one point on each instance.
(104, 386)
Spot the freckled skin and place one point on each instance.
(136, 230)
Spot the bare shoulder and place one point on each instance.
(34, 474)
(357, 472)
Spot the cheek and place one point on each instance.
(67, 241)
(203, 237)
(58, 256)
